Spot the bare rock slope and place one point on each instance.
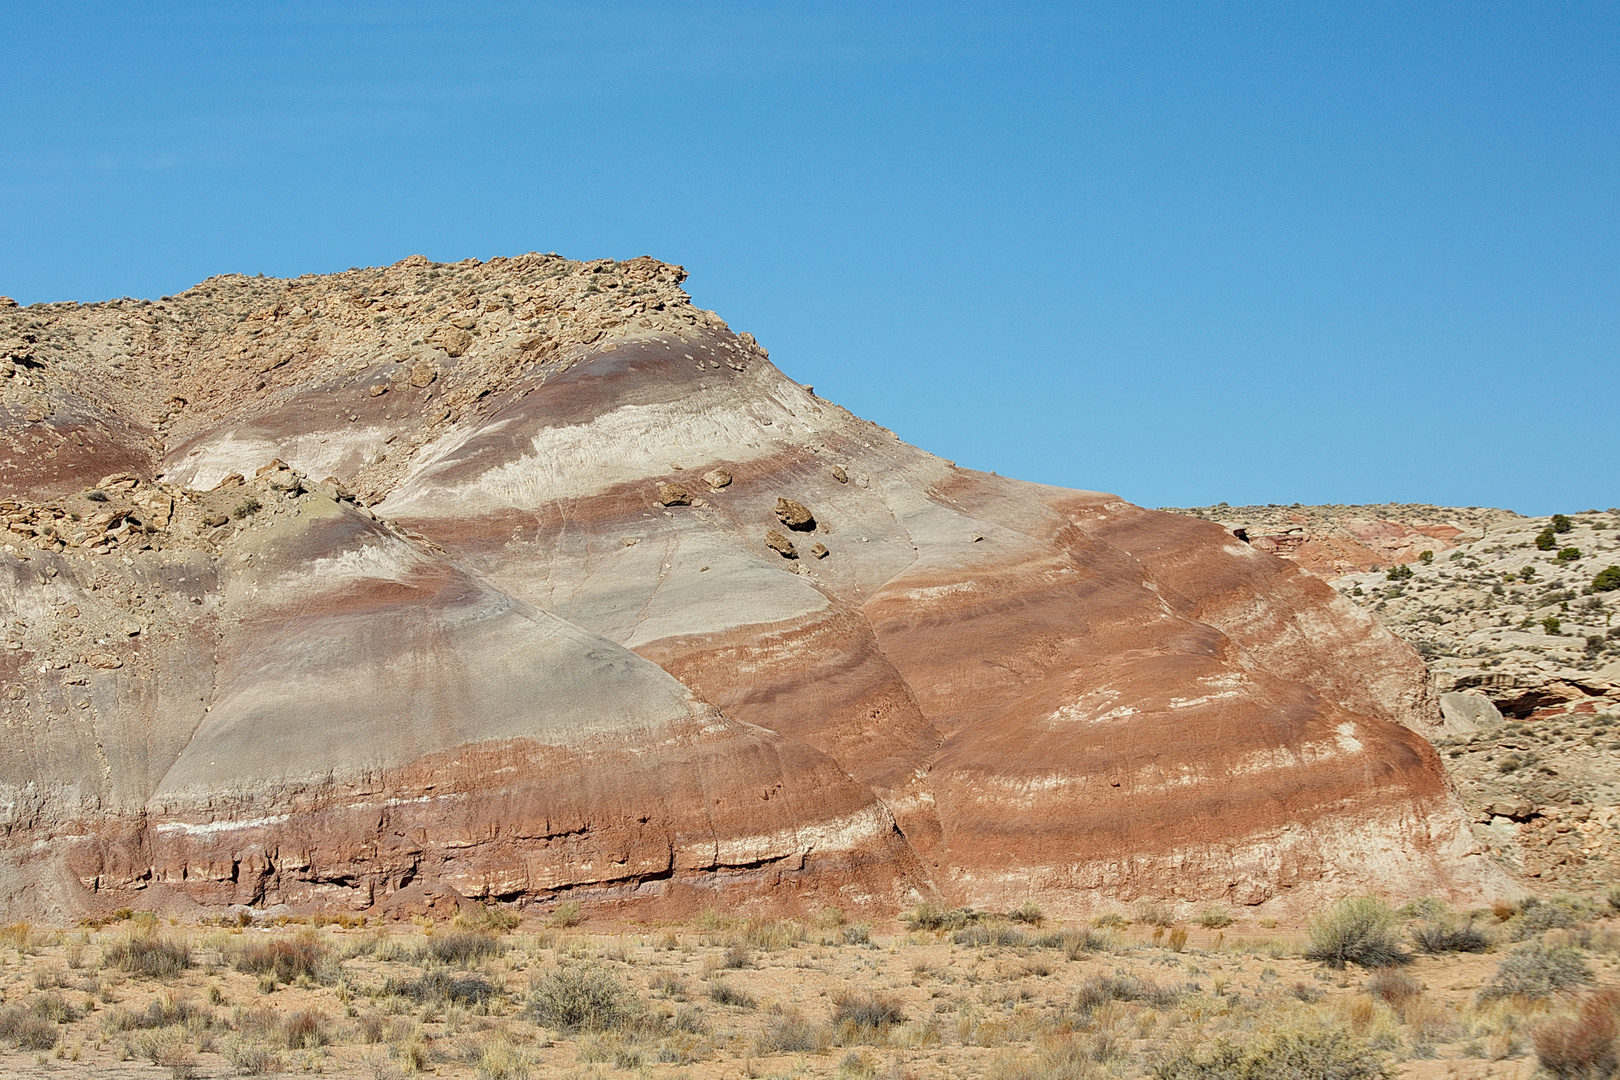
(1515, 616)
(524, 579)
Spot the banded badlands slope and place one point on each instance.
(527, 579)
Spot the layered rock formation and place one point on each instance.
(527, 579)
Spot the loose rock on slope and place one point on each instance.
(502, 669)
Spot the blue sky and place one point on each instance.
(1186, 253)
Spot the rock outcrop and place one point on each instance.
(363, 590)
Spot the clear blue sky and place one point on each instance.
(1183, 252)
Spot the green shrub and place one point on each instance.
(1426, 557)
(1327, 1053)
(1545, 540)
(1569, 554)
(581, 997)
(1607, 579)
(1399, 572)
(246, 508)
(1356, 930)
(1561, 523)
(1552, 625)
(1215, 918)
(1538, 970)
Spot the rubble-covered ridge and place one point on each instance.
(439, 337)
(1334, 540)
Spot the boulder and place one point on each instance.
(795, 515)
(1463, 712)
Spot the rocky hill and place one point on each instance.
(525, 580)
(1523, 649)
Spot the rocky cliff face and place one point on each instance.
(527, 579)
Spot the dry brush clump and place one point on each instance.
(1538, 970)
(581, 997)
(146, 953)
(1308, 1053)
(288, 959)
(1357, 930)
(1582, 1046)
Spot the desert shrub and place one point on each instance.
(1552, 625)
(1545, 540)
(859, 1016)
(1540, 916)
(305, 1029)
(1441, 935)
(1029, 913)
(668, 984)
(980, 935)
(1607, 579)
(1568, 554)
(463, 947)
(498, 1059)
(1153, 913)
(1100, 989)
(1581, 1047)
(1538, 970)
(723, 993)
(1324, 1053)
(926, 916)
(160, 1012)
(1561, 523)
(488, 919)
(440, 985)
(1177, 939)
(1356, 930)
(1073, 941)
(1113, 920)
(54, 1007)
(566, 914)
(27, 1030)
(249, 1057)
(246, 508)
(772, 934)
(859, 934)
(1215, 918)
(581, 997)
(735, 958)
(786, 1031)
(148, 954)
(1393, 987)
(287, 959)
